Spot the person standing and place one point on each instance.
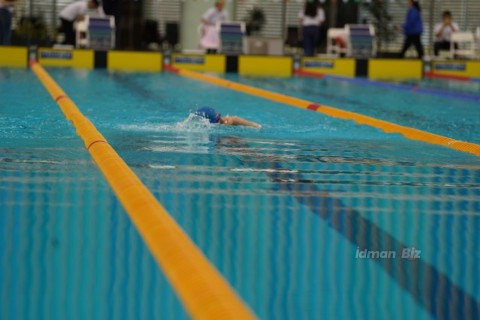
(6, 8)
(413, 29)
(76, 12)
(443, 32)
(311, 18)
(209, 34)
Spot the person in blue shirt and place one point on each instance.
(413, 29)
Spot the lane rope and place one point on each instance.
(439, 75)
(97, 141)
(205, 294)
(388, 127)
(397, 86)
(60, 97)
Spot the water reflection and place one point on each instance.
(287, 224)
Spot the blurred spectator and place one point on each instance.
(209, 34)
(76, 12)
(413, 29)
(6, 8)
(443, 32)
(311, 18)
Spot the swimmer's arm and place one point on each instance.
(235, 121)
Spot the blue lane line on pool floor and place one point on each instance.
(410, 88)
(427, 285)
(432, 289)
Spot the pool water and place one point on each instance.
(287, 213)
(440, 107)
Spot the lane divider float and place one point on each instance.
(388, 127)
(397, 86)
(433, 74)
(205, 294)
(301, 72)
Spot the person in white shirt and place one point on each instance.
(311, 18)
(443, 32)
(76, 12)
(209, 38)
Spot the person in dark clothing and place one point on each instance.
(311, 17)
(6, 7)
(413, 29)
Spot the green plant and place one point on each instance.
(255, 20)
(32, 30)
(384, 30)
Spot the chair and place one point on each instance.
(292, 38)
(337, 41)
(96, 33)
(361, 40)
(462, 44)
(171, 33)
(150, 35)
(231, 37)
(257, 46)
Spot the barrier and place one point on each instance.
(395, 69)
(335, 66)
(205, 63)
(66, 58)
(456, 69)
(277, 66)
(202, 290)
(13, 57)
(134, 61)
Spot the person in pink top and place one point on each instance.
(209, 34)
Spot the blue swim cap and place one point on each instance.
(208, 113)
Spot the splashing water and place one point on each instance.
(194, 123)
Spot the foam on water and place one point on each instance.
(192, 123)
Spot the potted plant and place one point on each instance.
(255, 20)
(384, 30)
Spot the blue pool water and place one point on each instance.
(285, 213)
(448, 108)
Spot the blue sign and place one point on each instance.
(451, 66)
(63, 55)
(319, 64)
(189, 60)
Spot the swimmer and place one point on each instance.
(215, 117)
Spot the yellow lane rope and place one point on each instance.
(204, 293)
(389, 127)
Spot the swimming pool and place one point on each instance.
(292, 215)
